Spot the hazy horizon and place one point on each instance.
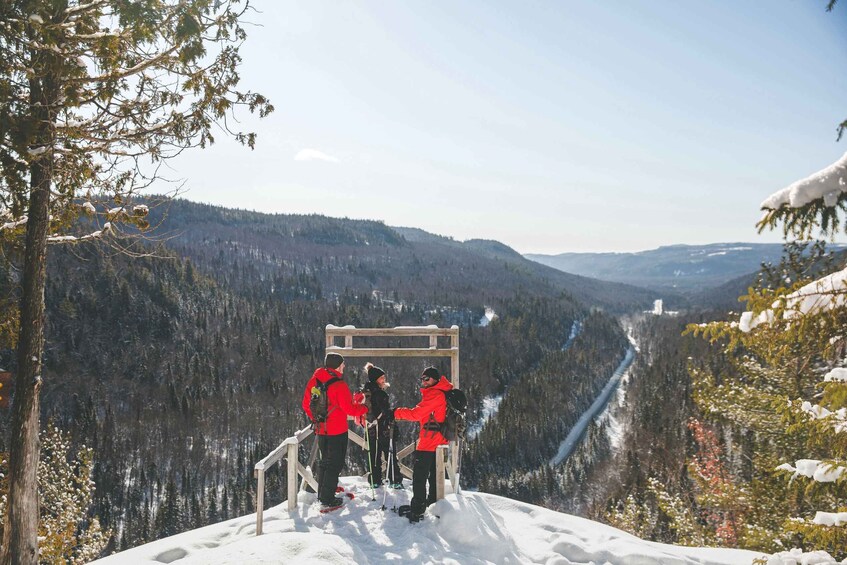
(548, 126)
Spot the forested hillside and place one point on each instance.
(184, 368)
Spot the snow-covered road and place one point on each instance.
(596, 408)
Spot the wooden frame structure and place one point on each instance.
(448, 457)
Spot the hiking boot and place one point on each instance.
(404, 510)
(332, 505)
(414, 517)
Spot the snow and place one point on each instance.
(489, 316)
(828, 184)
(797, 557)
(837, 374)
(567, 446)
(12, 225)
(464, 528)
(818, 296)
(814, 469)
(576, 328)
(490, 405)
(830, 518)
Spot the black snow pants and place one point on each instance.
(423, 473)
(332, 450)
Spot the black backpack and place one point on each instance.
(318, 403)
(453, 426)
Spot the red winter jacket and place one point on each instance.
(340, 403)
(433, 402)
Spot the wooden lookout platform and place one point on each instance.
(448, 457)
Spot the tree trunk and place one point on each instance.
(20, 535)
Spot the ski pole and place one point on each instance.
(391, 465)
(385, 480)
(370, 465)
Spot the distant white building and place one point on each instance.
(657, 307)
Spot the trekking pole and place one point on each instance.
(385, 479)
(391, 465)
(370, 465)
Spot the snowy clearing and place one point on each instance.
(473, 528)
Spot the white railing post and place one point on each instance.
(292, 475)
(260, 500)
(440, 453)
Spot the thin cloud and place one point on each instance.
(314, 155)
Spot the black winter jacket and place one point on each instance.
(380, 407)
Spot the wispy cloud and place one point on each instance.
(314, 155)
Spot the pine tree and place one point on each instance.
(94, 96)
(67, 530)
(789, 384)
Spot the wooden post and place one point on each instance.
(440, 453)
(293, 452)
(260, 500)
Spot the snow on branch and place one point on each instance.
(818, 296)
(14, 224)
(107, 227)
(838, 419)
(830, 518)
(814, 469)
(828, 184)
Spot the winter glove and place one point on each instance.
(359, 398)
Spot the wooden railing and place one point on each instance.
(448, 457)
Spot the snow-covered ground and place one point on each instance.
(465, 528)
(576, 328)
(490, 405)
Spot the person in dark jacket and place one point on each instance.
(332, 434)
(430, 411)
(381, 429)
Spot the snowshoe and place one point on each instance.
(350, 495)
(330, 506)
(414, 518)
(396, 485)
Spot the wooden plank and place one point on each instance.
(312, 456)
(405, 471)
(304, 433)
(307, 475)
(356, 438)
(406, 450)
(275, 455)
(388, 352)
(404, 331)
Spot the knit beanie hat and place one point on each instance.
(373, 372)
(430, 372)
(333, 360)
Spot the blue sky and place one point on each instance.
(618, 125)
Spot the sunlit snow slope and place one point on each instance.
(464, 528)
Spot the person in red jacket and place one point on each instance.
(332, 434)
(430, 412)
